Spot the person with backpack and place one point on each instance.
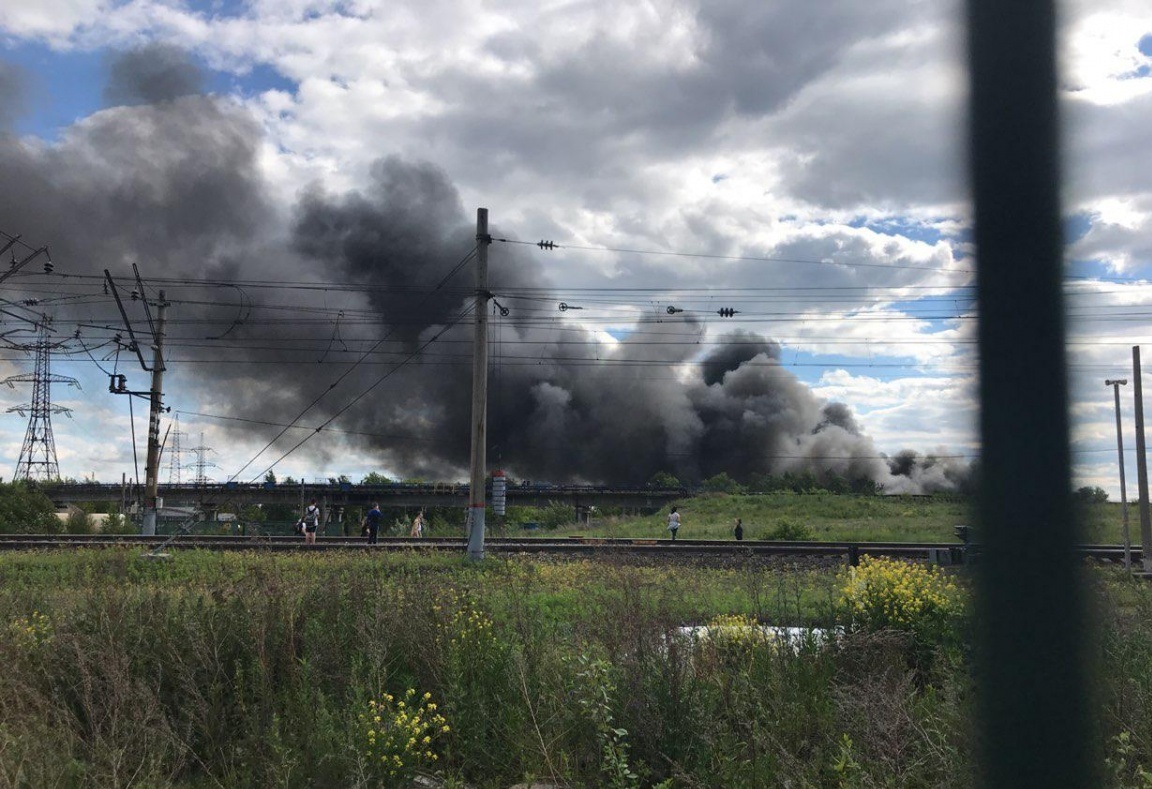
(311, 523)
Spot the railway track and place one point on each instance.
(948, 553)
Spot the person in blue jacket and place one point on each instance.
(372, 522)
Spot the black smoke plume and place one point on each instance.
(363, 328)
(152, 74)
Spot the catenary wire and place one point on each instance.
(346, 373)
(463, 314)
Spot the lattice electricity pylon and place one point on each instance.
(175, 453)
(38, 454)
(201, 464)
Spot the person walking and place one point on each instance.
(418, 525)
(673, 522)
(311, 522)
(372, 523)
(739, 530)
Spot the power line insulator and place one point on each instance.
(547, 244)
(48, 266)
(726, 312)
(673, 310)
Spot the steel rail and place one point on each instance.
(638, 546)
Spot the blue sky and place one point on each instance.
(67, 86)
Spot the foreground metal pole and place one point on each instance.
(1031, 664)
(479, 470)
(156, 395)
(1141, 462)
(1116, 384)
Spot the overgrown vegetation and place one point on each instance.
(25, 510)
(255, 671)
(251, 670)
(363, 671)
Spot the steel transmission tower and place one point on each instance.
(175, 453)
(201, 463)
(38, 454)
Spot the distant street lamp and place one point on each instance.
(1116, 384)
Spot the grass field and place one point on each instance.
(826, 516)
(770, 516)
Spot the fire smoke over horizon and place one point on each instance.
(171, 179)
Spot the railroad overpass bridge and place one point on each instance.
(231, 496)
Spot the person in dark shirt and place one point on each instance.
(739, 529)
(372, 521)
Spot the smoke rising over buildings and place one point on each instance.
(168, 178)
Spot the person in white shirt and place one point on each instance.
(673, 522)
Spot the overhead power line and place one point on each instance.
(463, 261)
(463, 314)
(550, 245)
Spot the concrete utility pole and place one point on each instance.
(479, 393)
(1116, 384)
(152, 464)
(1142, 463)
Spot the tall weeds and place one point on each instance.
(236, 671)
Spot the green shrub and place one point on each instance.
(721, 483)
(663, 479)
(118, 523)
(26, 510)
(1091, 495)
(593, 690)
(555, 515)
(79, 522)
(788, 530)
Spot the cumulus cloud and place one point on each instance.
(812, 155)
